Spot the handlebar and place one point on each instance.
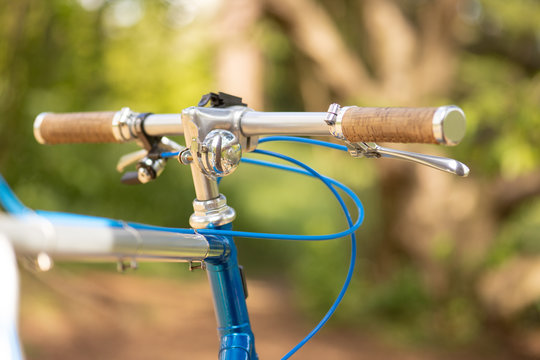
(442, 125)
(81, 127)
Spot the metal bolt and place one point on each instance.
(122, 266)
(331, 114)
(195, 265)
(144, 175)
(185, 157)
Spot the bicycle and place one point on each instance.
(216, 138)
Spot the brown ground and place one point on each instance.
(128, 316)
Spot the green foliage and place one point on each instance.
(517, 236)
(501, 102)
(282, 79)
(517, 17)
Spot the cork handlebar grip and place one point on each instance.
(69, 128)
(436, 125)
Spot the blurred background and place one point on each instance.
(447, 266)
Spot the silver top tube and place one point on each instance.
(33, 235)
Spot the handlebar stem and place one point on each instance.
(210, 206)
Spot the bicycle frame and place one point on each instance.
(215, 138)
(110, 240)
(228, 292)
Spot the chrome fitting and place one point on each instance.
(331, 115)
(449, 125)
(213, 212)
(185, 157)
(149, 169)
(125, 125)
(198, 123)
(37, 127)
(334, 117)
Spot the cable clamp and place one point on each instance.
(331, 114)
(333, 119)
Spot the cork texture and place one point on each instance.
(85, 127)
(392, 124)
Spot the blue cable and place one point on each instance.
(308, 171)
(330, 183)
(247, 234)
(281, 138)
(166, 155)
(14, 205)
(303, 140)
(347, 215)
(9, 201)
(277, 138)
(352, 262)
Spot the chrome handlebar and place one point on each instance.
(246, 125)
(251, 124)
(216, 136)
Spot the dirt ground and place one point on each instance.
(127, 316)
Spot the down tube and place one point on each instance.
(236, 338)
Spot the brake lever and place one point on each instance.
(149, 162)
(129, 159)
(372, 150)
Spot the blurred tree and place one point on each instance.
(478, 54)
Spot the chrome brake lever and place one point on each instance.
(372, 150)
(165, 144)
(129, 159)
(150, 164)
(170, 145)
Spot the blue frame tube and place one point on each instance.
(236, 337)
